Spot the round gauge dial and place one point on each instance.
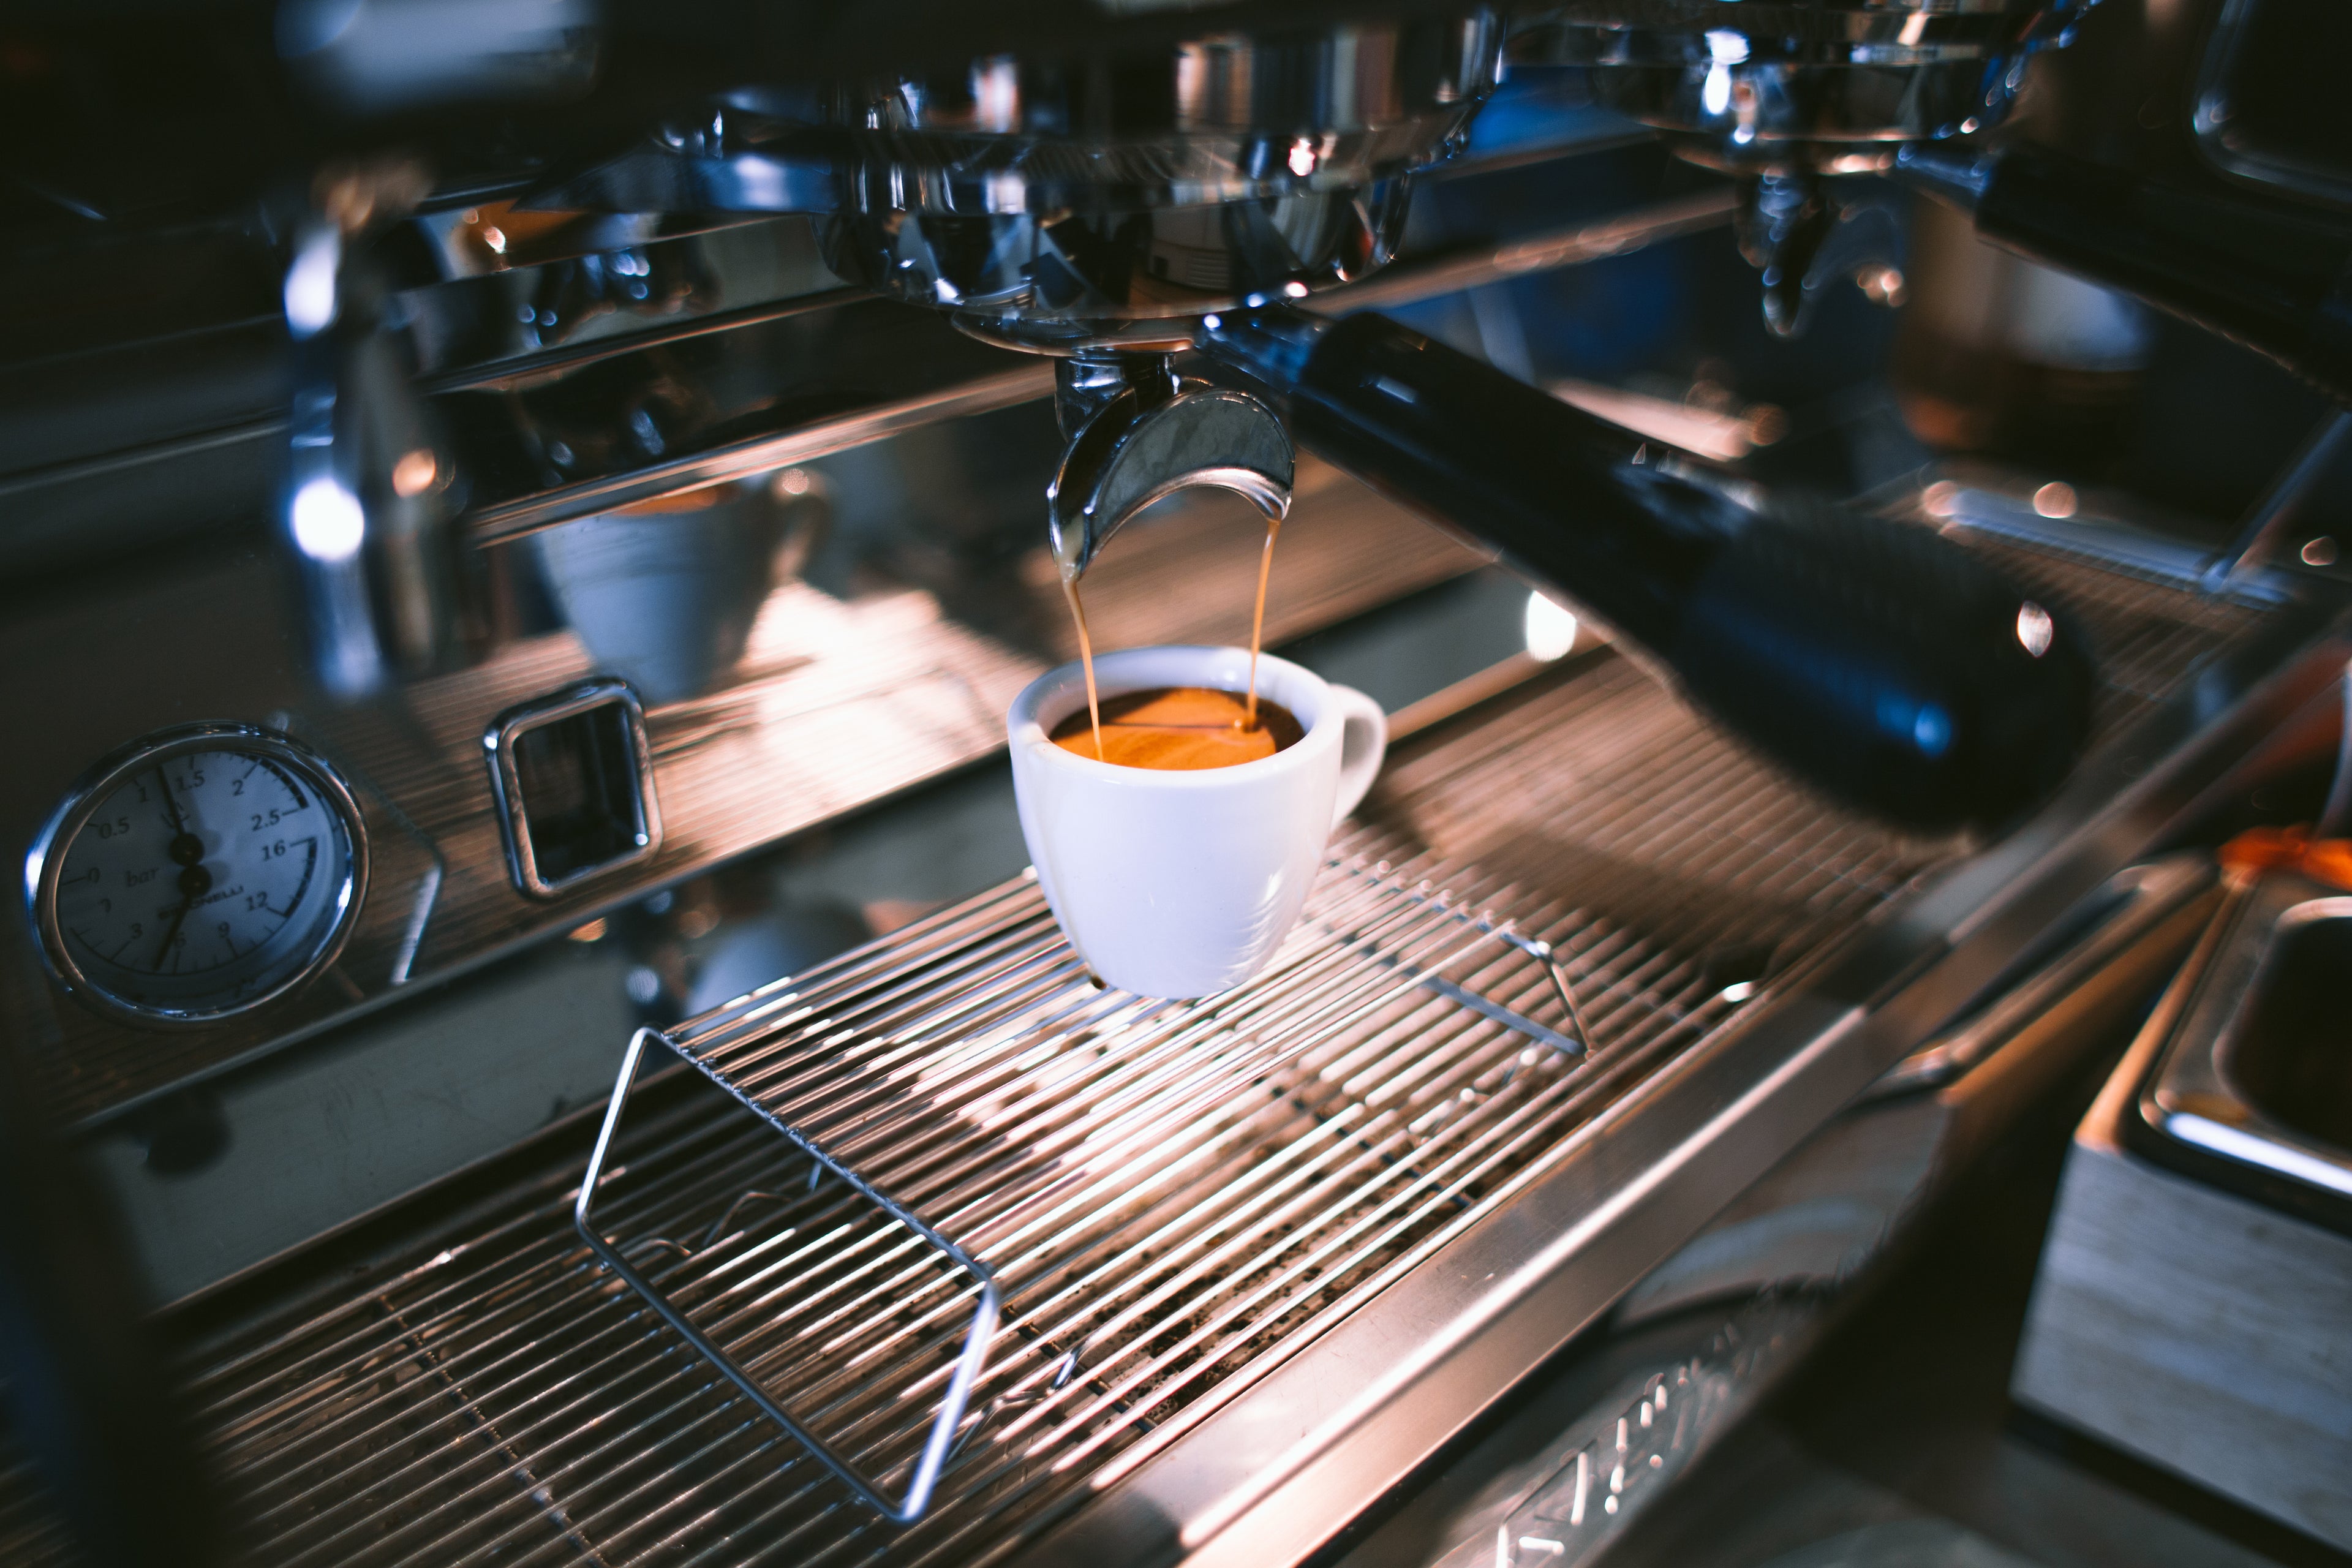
(197, 874)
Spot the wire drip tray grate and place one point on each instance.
(1023, 1222)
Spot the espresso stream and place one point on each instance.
(1179, 727)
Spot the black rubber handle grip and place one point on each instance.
(1889, 667)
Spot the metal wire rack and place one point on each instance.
(999, 1109)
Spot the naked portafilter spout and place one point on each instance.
(1138, 432)
(1884, 664)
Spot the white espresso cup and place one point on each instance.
(1182, 883)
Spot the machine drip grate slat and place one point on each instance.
(1169, 1198)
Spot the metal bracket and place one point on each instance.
(939, 1447)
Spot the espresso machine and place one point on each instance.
(528, 1034)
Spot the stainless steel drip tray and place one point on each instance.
(1582, 971)
(2253, 1091)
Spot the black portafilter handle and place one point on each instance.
(2276, 278)
(1887, 666)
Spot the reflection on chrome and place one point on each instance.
(2034, 628)
(327, 521)
(1550, 628)
(2055, 498)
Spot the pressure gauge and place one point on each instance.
(197, 874)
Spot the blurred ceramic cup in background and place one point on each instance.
(1181, 884)
(663, 592)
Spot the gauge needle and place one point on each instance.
(195, 881)
(170, 802)
(173, 929)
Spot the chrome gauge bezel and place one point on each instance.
(46, 860)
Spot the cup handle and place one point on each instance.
(1363, 746)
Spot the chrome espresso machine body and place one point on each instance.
(519, 526)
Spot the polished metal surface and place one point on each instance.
(2246, 1078)
(1784, 93)
(500, 746)
(1641, 1438)
(370, 494)
(309, 1138)
(554, 1415)
(753, 759)
(1162, 178)
(1354, 1412)
(158, 410)
(951, 376)
(2122, 917)
(1427, 278)
(1292, 1300)
(1822, 85)
(544, 430)
(1711, 1334)
(2185, 1314)
(1063, 1278)
(939, 1436)
(2263, 528)
(1759, 1313)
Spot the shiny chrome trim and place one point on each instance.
(38, 497)
(1131, 455)
(2210, 121)
(2194, 1096)
(42, 866)
(1023, 382)
(2135, 903)
(506, 782)
(2279, 1156)
(1403, 283)
(2265, 522)
(1027, 379)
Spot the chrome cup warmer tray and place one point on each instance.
(966, 1260)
